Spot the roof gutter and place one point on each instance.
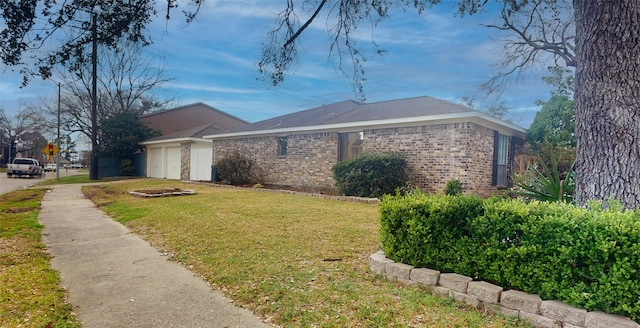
(405, 121)
(180, 140)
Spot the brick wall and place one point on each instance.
(442, 152)
(436, 154)
(307, 163)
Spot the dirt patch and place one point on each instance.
(162, 192)
(158, 191)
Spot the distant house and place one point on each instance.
(442, 141)
(181, 152)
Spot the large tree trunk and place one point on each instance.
(607, 101)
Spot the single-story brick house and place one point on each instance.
(180, 152)
(442, 141)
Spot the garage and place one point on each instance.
(180, 156)
(201, 157)
(163, 162)
(154, 163)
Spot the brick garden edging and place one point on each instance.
(483, 295)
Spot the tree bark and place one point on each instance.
(607, 101)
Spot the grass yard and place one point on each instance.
(29, 291)
(297, 261)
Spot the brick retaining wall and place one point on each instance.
(483, 295)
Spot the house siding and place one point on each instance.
(435, 153)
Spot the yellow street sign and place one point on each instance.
(50, 150)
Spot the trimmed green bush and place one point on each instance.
(453, 187)
(589, 258)
(237, 169)
(371, 174)
(430, 231)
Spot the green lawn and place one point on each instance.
(29, 292)
(297, 261)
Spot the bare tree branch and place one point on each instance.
(279, 53)
(126, 80)
(538, 31)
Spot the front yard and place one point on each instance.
(295, 260)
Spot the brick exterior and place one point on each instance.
(307, 164)
(185, 160)
(435, 153)
(442, 152)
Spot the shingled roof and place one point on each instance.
(187, 117)
(349, 115)
(193, 133)
(350, 111)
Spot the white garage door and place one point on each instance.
(201, 157)
(173, 163)
(155, 163)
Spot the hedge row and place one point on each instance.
(589, 258)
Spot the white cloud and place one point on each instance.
(208, 88)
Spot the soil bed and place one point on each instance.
(164, 192)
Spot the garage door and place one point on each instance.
(173, 163)
(155, 163)
(201, 156)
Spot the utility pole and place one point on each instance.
(93, 170)
(59, 145)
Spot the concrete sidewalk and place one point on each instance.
(116, 279)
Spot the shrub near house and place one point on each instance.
(584, 257)
(371, 174)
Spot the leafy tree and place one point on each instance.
(554, 124)
(562, 79)
(121, 134)
(30, 26)
(551, 136)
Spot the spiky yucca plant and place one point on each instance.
(545, 183)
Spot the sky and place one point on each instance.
(214, 60)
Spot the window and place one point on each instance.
(501, 156)
(282, 146)
(349, 145)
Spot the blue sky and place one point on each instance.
(214, 60)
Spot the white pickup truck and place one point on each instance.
(24, 167)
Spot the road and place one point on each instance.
(10, 184)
